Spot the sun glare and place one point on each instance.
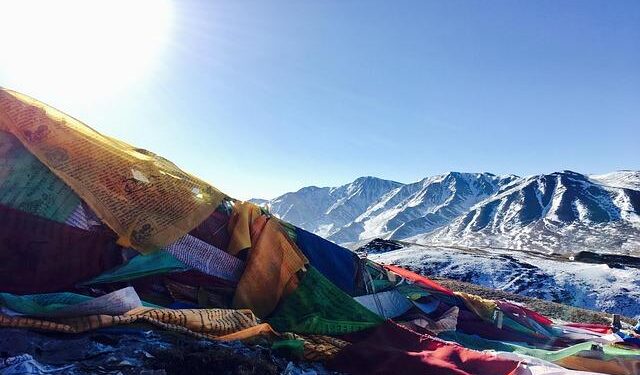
(87, 47)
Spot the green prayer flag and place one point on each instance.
(140, 266)
(478, 343)
(319, 307)
(28, 185)
(41, 304)
(294, 348)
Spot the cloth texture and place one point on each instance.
(390, 349)
(321, 348)
(201, 296)
(206, 258)
(28, 185)
(418, 279)
(240, 224)
(319, 307)
(214, 230)
(614, 366)
(145, 199)
(482, 307)
(445, 323)
(387, 304)
(534, 366)
(78, 218)
(25, 364)
(270, 271)
(597, 328)
(472, 324)
(72, 304)
(160, 262)
(40, 256)
(84, 218)
(335, 262)
(219, 324)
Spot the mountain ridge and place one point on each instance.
(560, 212)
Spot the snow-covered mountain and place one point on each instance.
(562, 212)
(601, 287)
(621, 179)
(559, 212)
(370, 207)
(326, 210)
(422, 206)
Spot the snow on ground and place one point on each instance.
(621, 179)
(592, 286)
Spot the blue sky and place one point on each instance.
(264, 97)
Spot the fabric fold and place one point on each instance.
(206, 258)
(160, 262)
(390, 349)
(41, 256)
(335, 262)
(144, 198)
(418, 279)
(387, 304)
(28, 185)
(71, 304)
(270, 271)
(217, 324)
(319, 307)
(239, 226)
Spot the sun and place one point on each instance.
(84, 47)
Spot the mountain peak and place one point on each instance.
(366, 178)
(538, 211)
(372, 180)
(568, 172)
(307, 189)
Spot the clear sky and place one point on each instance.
(264, 97)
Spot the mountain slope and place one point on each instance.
(561, 212)
(592, 286)
(325, 210)
(424, 206)
(621, 179)
(371, 207)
